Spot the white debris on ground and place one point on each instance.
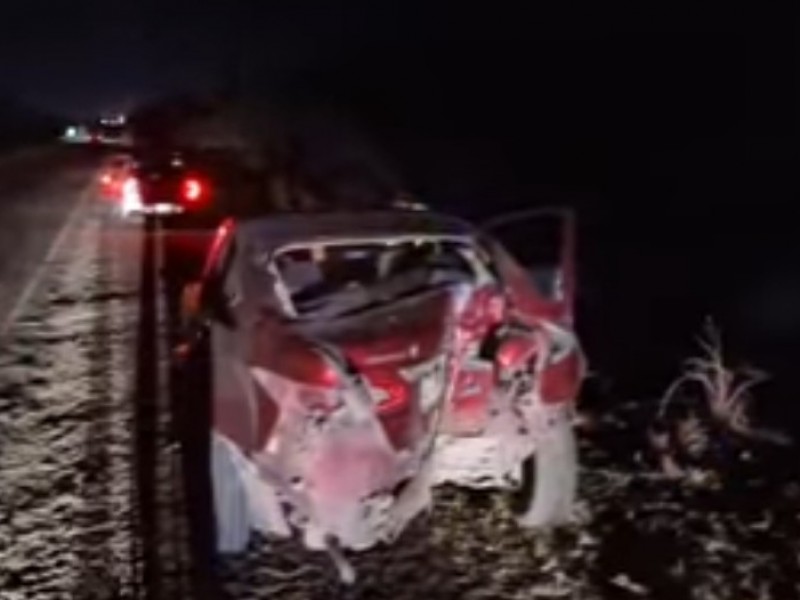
(66, 424)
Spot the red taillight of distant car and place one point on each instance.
(108, 189)
(193, 190)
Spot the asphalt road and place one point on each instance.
(69, 512)
(39, 190)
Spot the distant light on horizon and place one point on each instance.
(114, 121)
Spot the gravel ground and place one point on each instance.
(91, 502)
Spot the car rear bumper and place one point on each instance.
(162, 208)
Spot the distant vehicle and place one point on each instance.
(356, 360)
(405, 202)
(117, 120)
(76, 134)
(166, 183)
(113, 175)
(106, 132)
(113, 135)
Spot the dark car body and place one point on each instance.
(166, 183)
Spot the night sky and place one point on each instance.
(84, 56)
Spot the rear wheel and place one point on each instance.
(549, 480)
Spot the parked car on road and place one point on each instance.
(116, 170)
(165, 183)
(358, 360)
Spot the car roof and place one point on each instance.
(282, 229)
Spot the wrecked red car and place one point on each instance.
(359, 360)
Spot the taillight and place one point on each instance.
(193, 189)
(224, 229)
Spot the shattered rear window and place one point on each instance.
(333, 279)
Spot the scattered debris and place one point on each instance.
(626, 583)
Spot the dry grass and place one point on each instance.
(709, 398)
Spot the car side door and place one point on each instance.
(535, 252)
(535, 256)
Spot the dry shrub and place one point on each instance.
(708, 407)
